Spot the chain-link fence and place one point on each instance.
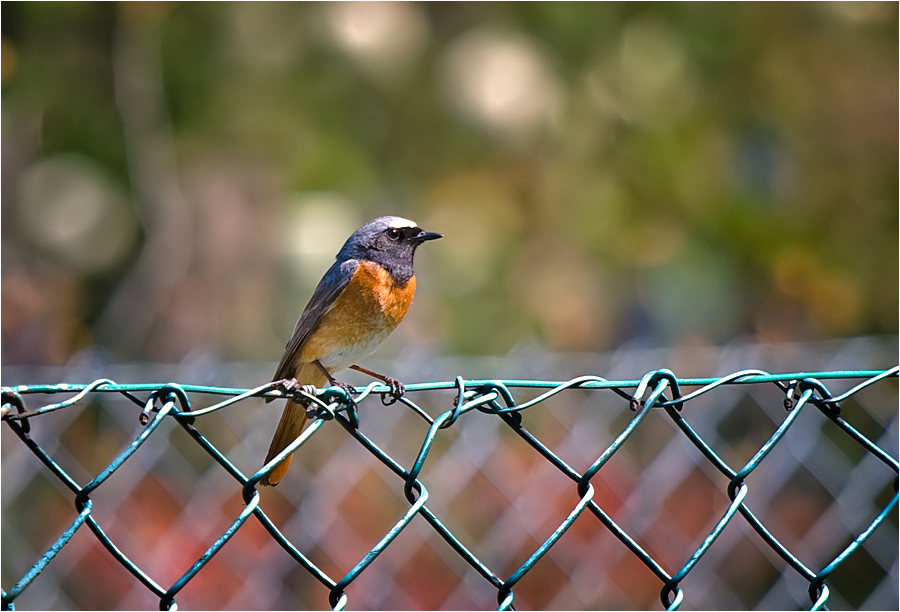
(742, 490)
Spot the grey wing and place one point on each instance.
(331, 285)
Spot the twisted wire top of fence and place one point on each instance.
(502, 561)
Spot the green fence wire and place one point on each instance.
(658, 392)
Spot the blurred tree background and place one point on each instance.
(177, 176)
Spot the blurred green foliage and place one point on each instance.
(177, 176)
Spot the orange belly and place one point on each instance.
(368, 309)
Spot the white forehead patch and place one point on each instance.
(399, 222)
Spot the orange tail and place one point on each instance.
(293, 419)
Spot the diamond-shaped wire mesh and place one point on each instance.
(496, 512)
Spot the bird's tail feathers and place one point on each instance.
(293, 419)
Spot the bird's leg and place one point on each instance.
(397, 388)
(336, 383)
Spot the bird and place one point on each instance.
(359, 301)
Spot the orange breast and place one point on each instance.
(368, 309)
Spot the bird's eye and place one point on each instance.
(393, 233)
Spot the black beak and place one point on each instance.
(422, 236)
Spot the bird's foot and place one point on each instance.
(287, 385)
(396, 391)
(291, 387)
(396, 387)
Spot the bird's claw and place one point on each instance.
(348, 389)
(291, 387)
(288, 385)
(396, 391)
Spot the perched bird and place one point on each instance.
(357, 304)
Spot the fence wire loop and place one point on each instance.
(338, 405)
(168, 395)
(13, 399)
(501, 392)
(823, 400)
(677, 597)
(458, 402)
(652, 379)
(338, 395)
(788, 401)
